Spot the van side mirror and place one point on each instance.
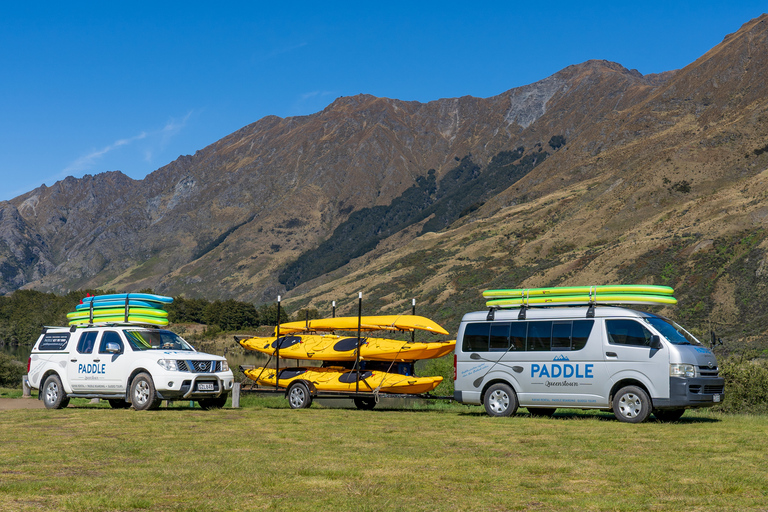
(656, 342)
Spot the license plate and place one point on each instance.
(205, 386)
(716, 398)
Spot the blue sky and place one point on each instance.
(89, 87)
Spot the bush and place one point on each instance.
(11, 372)
(746, 385)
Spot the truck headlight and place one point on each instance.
(224, 366)
(682, 370)
(168, 364)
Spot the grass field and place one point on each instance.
(439, 457)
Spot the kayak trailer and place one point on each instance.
(301, 393)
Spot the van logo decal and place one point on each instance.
(561, 357)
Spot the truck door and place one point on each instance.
(628, 354)
(81, 363)
(108, 372)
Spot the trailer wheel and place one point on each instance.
(299, 396)
(500, 400)
(632, 405)
(668, 414)
(365, 404)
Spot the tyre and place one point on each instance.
(500, 400)
(54, 396)
(542, 411)
(365, 404)
(632, 405)
(668, 414)
(143, 395)
(118, 403)
(298, 396)
(218, 402)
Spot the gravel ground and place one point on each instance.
(20, 403)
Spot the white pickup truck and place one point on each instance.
(126, 365)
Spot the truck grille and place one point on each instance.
(199, 366)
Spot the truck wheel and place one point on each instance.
(632, 405)
(118, 403)
(207, 404)
(143, 395)
(500, 400)
(365, 404)
(54, 396)
(542, 411)
(668, 414)
(298, 396)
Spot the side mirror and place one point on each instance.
(112, 348)
(656, 342)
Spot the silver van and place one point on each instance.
(609, 358)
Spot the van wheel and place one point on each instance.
(143, 395)
(54, 396)
(500, 400)
(298, 396)
(632, 405)
(542, 411)
(668, 414)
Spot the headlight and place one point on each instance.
(682, 370)
(168, 364)
(224, 366)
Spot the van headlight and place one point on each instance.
(682, 370)
(168, 365)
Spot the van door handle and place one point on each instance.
(73, 360)
(611, 354)
(96, 360)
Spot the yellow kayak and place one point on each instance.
(368, 323)
(330, 347)
(340, 379)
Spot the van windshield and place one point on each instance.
(672, 331)
(157, 340)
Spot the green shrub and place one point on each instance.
(746, 385)
(11, 371)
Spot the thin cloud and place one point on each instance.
(85, 162)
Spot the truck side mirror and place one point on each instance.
(656, 342)
(112, 348)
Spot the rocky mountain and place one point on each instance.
(594, 174)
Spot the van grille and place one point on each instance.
(706, 371)
(706, 390)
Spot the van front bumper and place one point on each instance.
(692, 392)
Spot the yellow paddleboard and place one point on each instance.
(368, 323)
(330, 347)
(340, 379)
(580, 290)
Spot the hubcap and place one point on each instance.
(51, 392)
(630, 405)
(297, 397)
(142, 392)
(498, 401)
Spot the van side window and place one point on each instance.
(539, 336)
(476, 337)
(517, 335)
(86, 342)
(109, 336)
(499, 337)
(627, 332)
(581, 331)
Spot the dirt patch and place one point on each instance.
(20, 403)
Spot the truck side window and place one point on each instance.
(109, 336)
(86, 342)
(627, 332)
(499, 337)
(476, 337)
(539, 336)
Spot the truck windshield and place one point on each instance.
(157, 340)
(672, 331)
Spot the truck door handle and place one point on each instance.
(73, 360)
(611, 354)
